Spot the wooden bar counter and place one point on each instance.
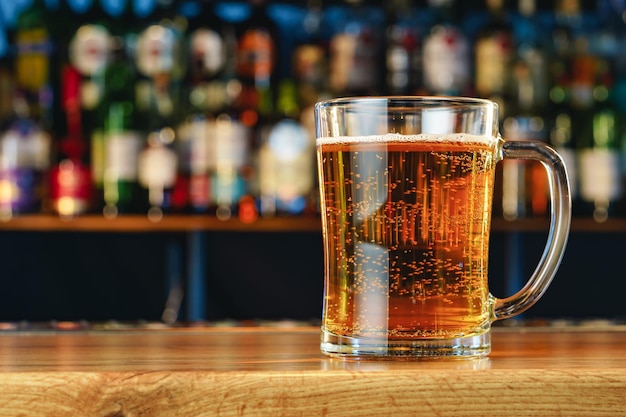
(278, 371)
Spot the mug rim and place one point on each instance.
(420, 101)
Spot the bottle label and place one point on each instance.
(70, 188)
(256, 55)
(97, 157)
(90, 52)
(207, 53)
(157, 167)
(287, 162)
(492, 64)
(227, 187)
(199, 191)
(25, 146)
(231, 155)
(353, 63)
(446, 61)
(201, 153)
(403, 59)
(309, 63)
(90, 49)
(231, 144)
(32, 62)
(157, 51)
(599, 175)
(288, 139)
(121, 154)
(17, 189)
(513, 189)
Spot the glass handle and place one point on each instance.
(560, 218)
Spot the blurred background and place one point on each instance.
(157, 158)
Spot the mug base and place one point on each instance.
(367, 348)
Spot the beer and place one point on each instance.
(407, 222)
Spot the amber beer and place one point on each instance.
(407, 219)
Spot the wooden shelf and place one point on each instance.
(173, 223)
(189, 223)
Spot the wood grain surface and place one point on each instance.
(279, 372)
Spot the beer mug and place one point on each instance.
(406, 186)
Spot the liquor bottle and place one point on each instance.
(493, 52)
(524, 183)
(207, 54)
(158, 56)
(571, 93)
(231, 145)
(160, 65)
(257, 63)
(600, 181)
(25, 142)
(6, 85)
(532, 47)
(34, 46)
(608, 42)
(310, 57)
(24, 161)
(310, 72)
(70, 178)
(446, 52)
(567, 31)
(64, 18)
(118, 140)
(403, 49)
(206, 94)
(286, 159)
(90, 53)
(356, 52)
(157, 170)
(562, 138)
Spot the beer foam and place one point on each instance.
(398, 138)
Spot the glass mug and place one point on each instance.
(406, 186)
